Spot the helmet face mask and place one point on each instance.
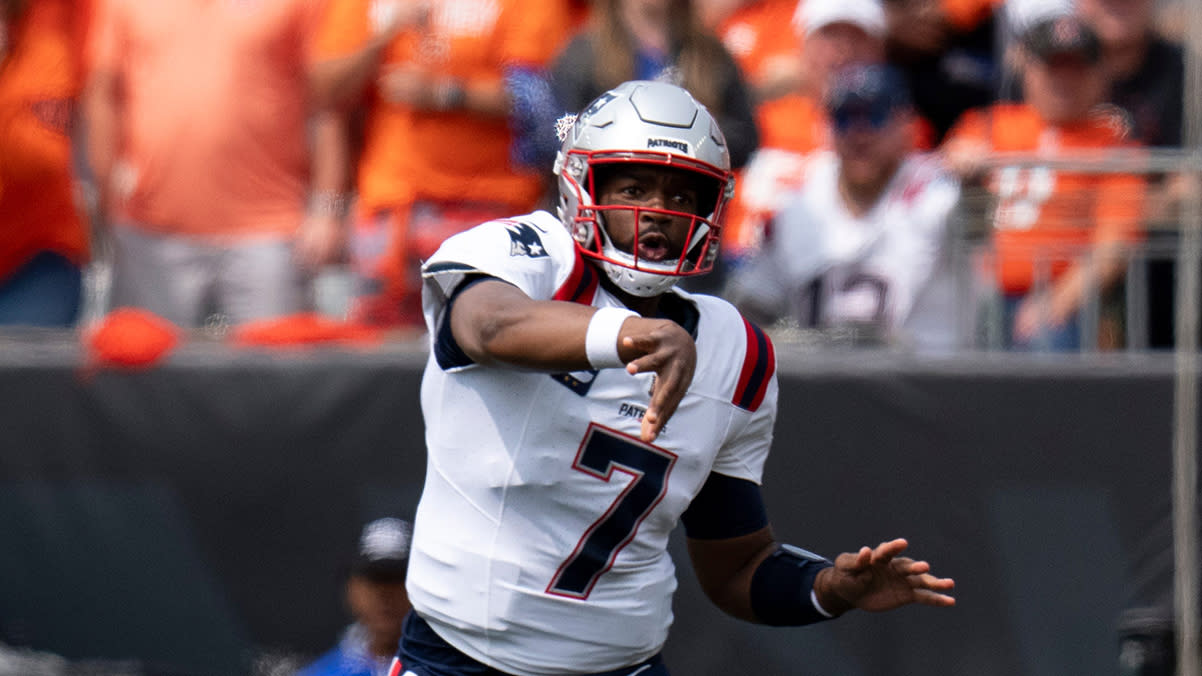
(644, 124)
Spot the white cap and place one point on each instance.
(385, 539)
(814, 14)
(1022, 14)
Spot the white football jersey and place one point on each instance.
(540, 544)
(889, 267)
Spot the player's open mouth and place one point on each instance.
(653, 247)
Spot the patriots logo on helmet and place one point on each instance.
(524, 241)
(597, 104)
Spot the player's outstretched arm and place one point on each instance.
(877, 579)
(495, 322)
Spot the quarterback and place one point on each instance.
(578, 406)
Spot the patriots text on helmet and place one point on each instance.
(668, 143)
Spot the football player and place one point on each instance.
(578, 406)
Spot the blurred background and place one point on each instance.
(970, 227)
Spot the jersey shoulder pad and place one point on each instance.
(534, 252)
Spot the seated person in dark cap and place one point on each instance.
(375, 594)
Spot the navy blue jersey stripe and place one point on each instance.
(448, 266)
(447, 352)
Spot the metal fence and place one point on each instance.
(1134, 310)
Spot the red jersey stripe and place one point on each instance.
(581, 285)
(758, 367)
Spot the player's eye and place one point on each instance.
(685, 198)
(632, 191)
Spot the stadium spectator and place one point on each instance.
(1059, 237)
(375, 595)
(948, 51)
(1148, 80)
(1017, 17)
(578, 407)
(198, 119)
(834, 34)
(861, 246)
(43, 233)
(440, 86)
(656, 40)
(1147, 72)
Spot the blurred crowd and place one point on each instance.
(934, 174)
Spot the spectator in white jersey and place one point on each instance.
(860, 248)
(578, 406)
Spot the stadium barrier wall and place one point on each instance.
(196, 517)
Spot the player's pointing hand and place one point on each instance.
(661, 347)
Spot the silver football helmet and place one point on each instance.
(654, 123)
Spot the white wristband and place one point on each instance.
(818, 606)
(601, 341)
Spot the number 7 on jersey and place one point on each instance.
(601, 452)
